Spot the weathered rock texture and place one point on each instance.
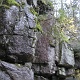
(27, 54)
(17, 34)
(15, 72)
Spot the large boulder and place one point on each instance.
(17, 36)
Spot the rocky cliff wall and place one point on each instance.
(28, 52)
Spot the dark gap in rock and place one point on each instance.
(6, 56)
(44, 64)
(20, 58)
(44, 75)
(43, 8)
(29, 2)
(66, 66)
(3, 52)
(76, 50)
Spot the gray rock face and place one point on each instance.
(17, 42)
(15, 72)
(48, 68)
(34, 56)
(17, 35)
(67, 56)
(43, 49)
(4, 76)
(45, 53)
(65, 60)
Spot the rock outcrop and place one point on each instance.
(25, 53)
